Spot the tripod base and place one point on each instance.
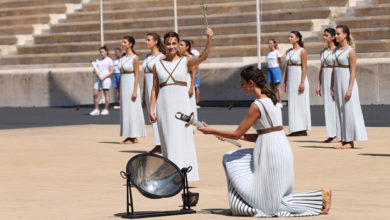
(157, 214)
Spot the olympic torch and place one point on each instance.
(190, 120)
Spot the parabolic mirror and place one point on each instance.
(155, 176)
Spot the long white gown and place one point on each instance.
(132, 116)
(192, 98)
(261, 179)
(148, 71)
(177, 141)
(349, 116)
(329, 103)
(299, 117)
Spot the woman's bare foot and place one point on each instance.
(297, 133)
(347, 145)
(127, 141)
(135, 140)
(330, 140)
(326, 199)
(339, 146)
(156, 150)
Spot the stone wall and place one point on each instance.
(66, 87)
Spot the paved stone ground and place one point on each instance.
(374, 115)
(72, 172)
(51, 171)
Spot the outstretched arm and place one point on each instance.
(249, 120)
(193, 61)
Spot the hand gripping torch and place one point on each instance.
(190, 120)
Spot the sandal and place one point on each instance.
(156, 150)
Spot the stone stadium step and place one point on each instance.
(381, 1)
(382, 9)
(194, 30)
(26, 3)
(266, 5)
(23, 20)
(210, 62)
(42, 9)
(16, 29)
(130, 20)
(129, 4)
(217, 51)
(229, 7)
(8, 40)
(182, 21)
(365, 22)
(218, 40)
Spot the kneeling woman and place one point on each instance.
(261, 179)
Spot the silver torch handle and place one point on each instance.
(199, 124)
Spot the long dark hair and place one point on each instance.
(345, 29)
(189, 45)
(257, 76)
(131, 40)
(157, 38)
(332, 32)
(299, 35)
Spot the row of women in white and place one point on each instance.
(261, 179)
(343, 115)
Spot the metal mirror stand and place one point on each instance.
(130, 204)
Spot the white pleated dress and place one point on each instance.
(349, 116)
(261, 179)
(299, 117)
(329, 103)
(177, 141)
(132, 116)
(193, 97)
(148, 71)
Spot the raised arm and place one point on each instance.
(249, 120)
(153, 96)
(193, 61)
(304, 70)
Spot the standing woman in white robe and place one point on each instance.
(297, 85)
(324, 81)
(154, 44)
(132, 116)
(185, 50)
(169, 96)
(261, 179)
(344, 89)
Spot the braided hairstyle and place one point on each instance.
(350, 39)
(332, 33)
(299, 35)
(131, 40)
(258, 77)
(157, 38)
(189, 45)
